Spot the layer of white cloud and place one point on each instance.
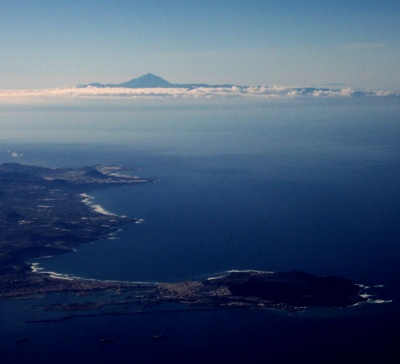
(261, 92)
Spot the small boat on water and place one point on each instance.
(108, 340)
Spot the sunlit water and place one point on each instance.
(307, 185)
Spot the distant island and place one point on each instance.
(46, 211)
(152, 81)
(153, 86)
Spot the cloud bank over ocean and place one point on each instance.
(255, 92)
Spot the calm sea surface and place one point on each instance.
(307, 184)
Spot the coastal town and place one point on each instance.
(47, 211)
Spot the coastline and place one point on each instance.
(66, 220)
(88, 201)
(73, 219)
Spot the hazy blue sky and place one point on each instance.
(63, 43)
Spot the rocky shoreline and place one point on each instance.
(45, 211)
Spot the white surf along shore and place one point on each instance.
(88, 200)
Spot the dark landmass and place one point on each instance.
(44, 211)
(152, 81)
(265, 289)
(294, 288)
(289, 291)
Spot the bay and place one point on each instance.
(310, 186)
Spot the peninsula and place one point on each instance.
(45, 211)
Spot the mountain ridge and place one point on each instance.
(150, 80)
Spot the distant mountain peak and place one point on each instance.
(149, 76)
(147, 80)
(150, 80)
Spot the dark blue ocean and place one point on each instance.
(308, 185)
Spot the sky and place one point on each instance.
(336, 43)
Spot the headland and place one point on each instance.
(46, 211)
